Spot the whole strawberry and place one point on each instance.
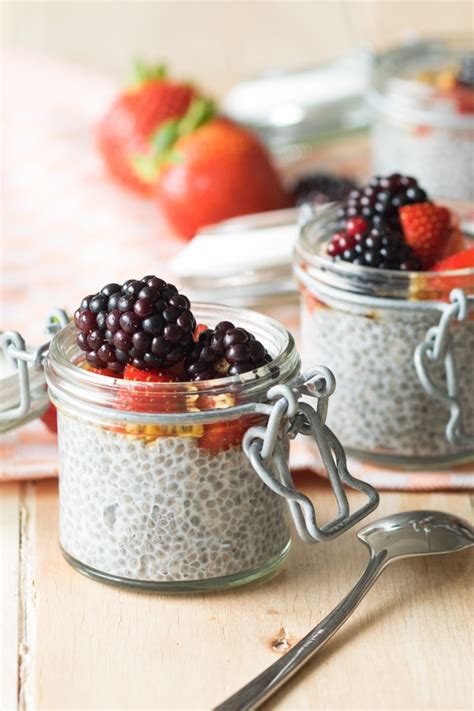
(210, 169)
(220, 171)
(461, 260)
(124, 133)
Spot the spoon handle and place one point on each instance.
(265, 684)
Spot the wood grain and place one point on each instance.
(406, 647)
(9, 607)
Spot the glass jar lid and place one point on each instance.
(244, 261)
(23, 391)
(10, 393)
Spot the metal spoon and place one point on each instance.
(402, 535)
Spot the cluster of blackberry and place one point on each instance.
(369, 228)
(143, 322)
(466, 73)
(319, 188)
(225, 350)
(147, 324)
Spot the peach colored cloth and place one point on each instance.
(68, 228)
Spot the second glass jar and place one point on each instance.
(365, 325)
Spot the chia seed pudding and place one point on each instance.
(365, 323)
(156, 492)
(379, 406)
(166, 510)
(424, 117)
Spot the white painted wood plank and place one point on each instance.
(9, 593)
(406, 647)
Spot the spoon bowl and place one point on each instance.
(413, 533)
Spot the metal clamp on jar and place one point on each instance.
(23, 388)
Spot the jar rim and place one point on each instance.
(311, 259)
(67, 380)
(406, 98)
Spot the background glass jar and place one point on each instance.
(365, 324)
(166, 501)
(421, 126)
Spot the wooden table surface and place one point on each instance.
(70, 643)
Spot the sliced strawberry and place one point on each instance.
(146, 376)
(50, 418)
(464, 98)
(461, 260)
(141, 398)
(427, 230)
(220, 436)
(456, 242)
(124, 133)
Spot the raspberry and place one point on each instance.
(225, 350)
(143, 322)
(356, 225)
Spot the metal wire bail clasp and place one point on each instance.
(438, 348)
(20, 357)
(265, 448)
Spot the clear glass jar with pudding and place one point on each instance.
(422, 96)
(155, 489)
(366, 325)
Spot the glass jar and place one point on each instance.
(375, 329)
(157, 491)
(423, 124)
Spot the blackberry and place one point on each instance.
(379, 201)
(466, 73)
(144, 322)
(380, 248)
(319, 188)
(225, 350)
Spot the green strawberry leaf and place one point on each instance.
(200, 112)
(163, 141)
(145, 166)
(164, 138)
(143, 72)
(174, 157)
